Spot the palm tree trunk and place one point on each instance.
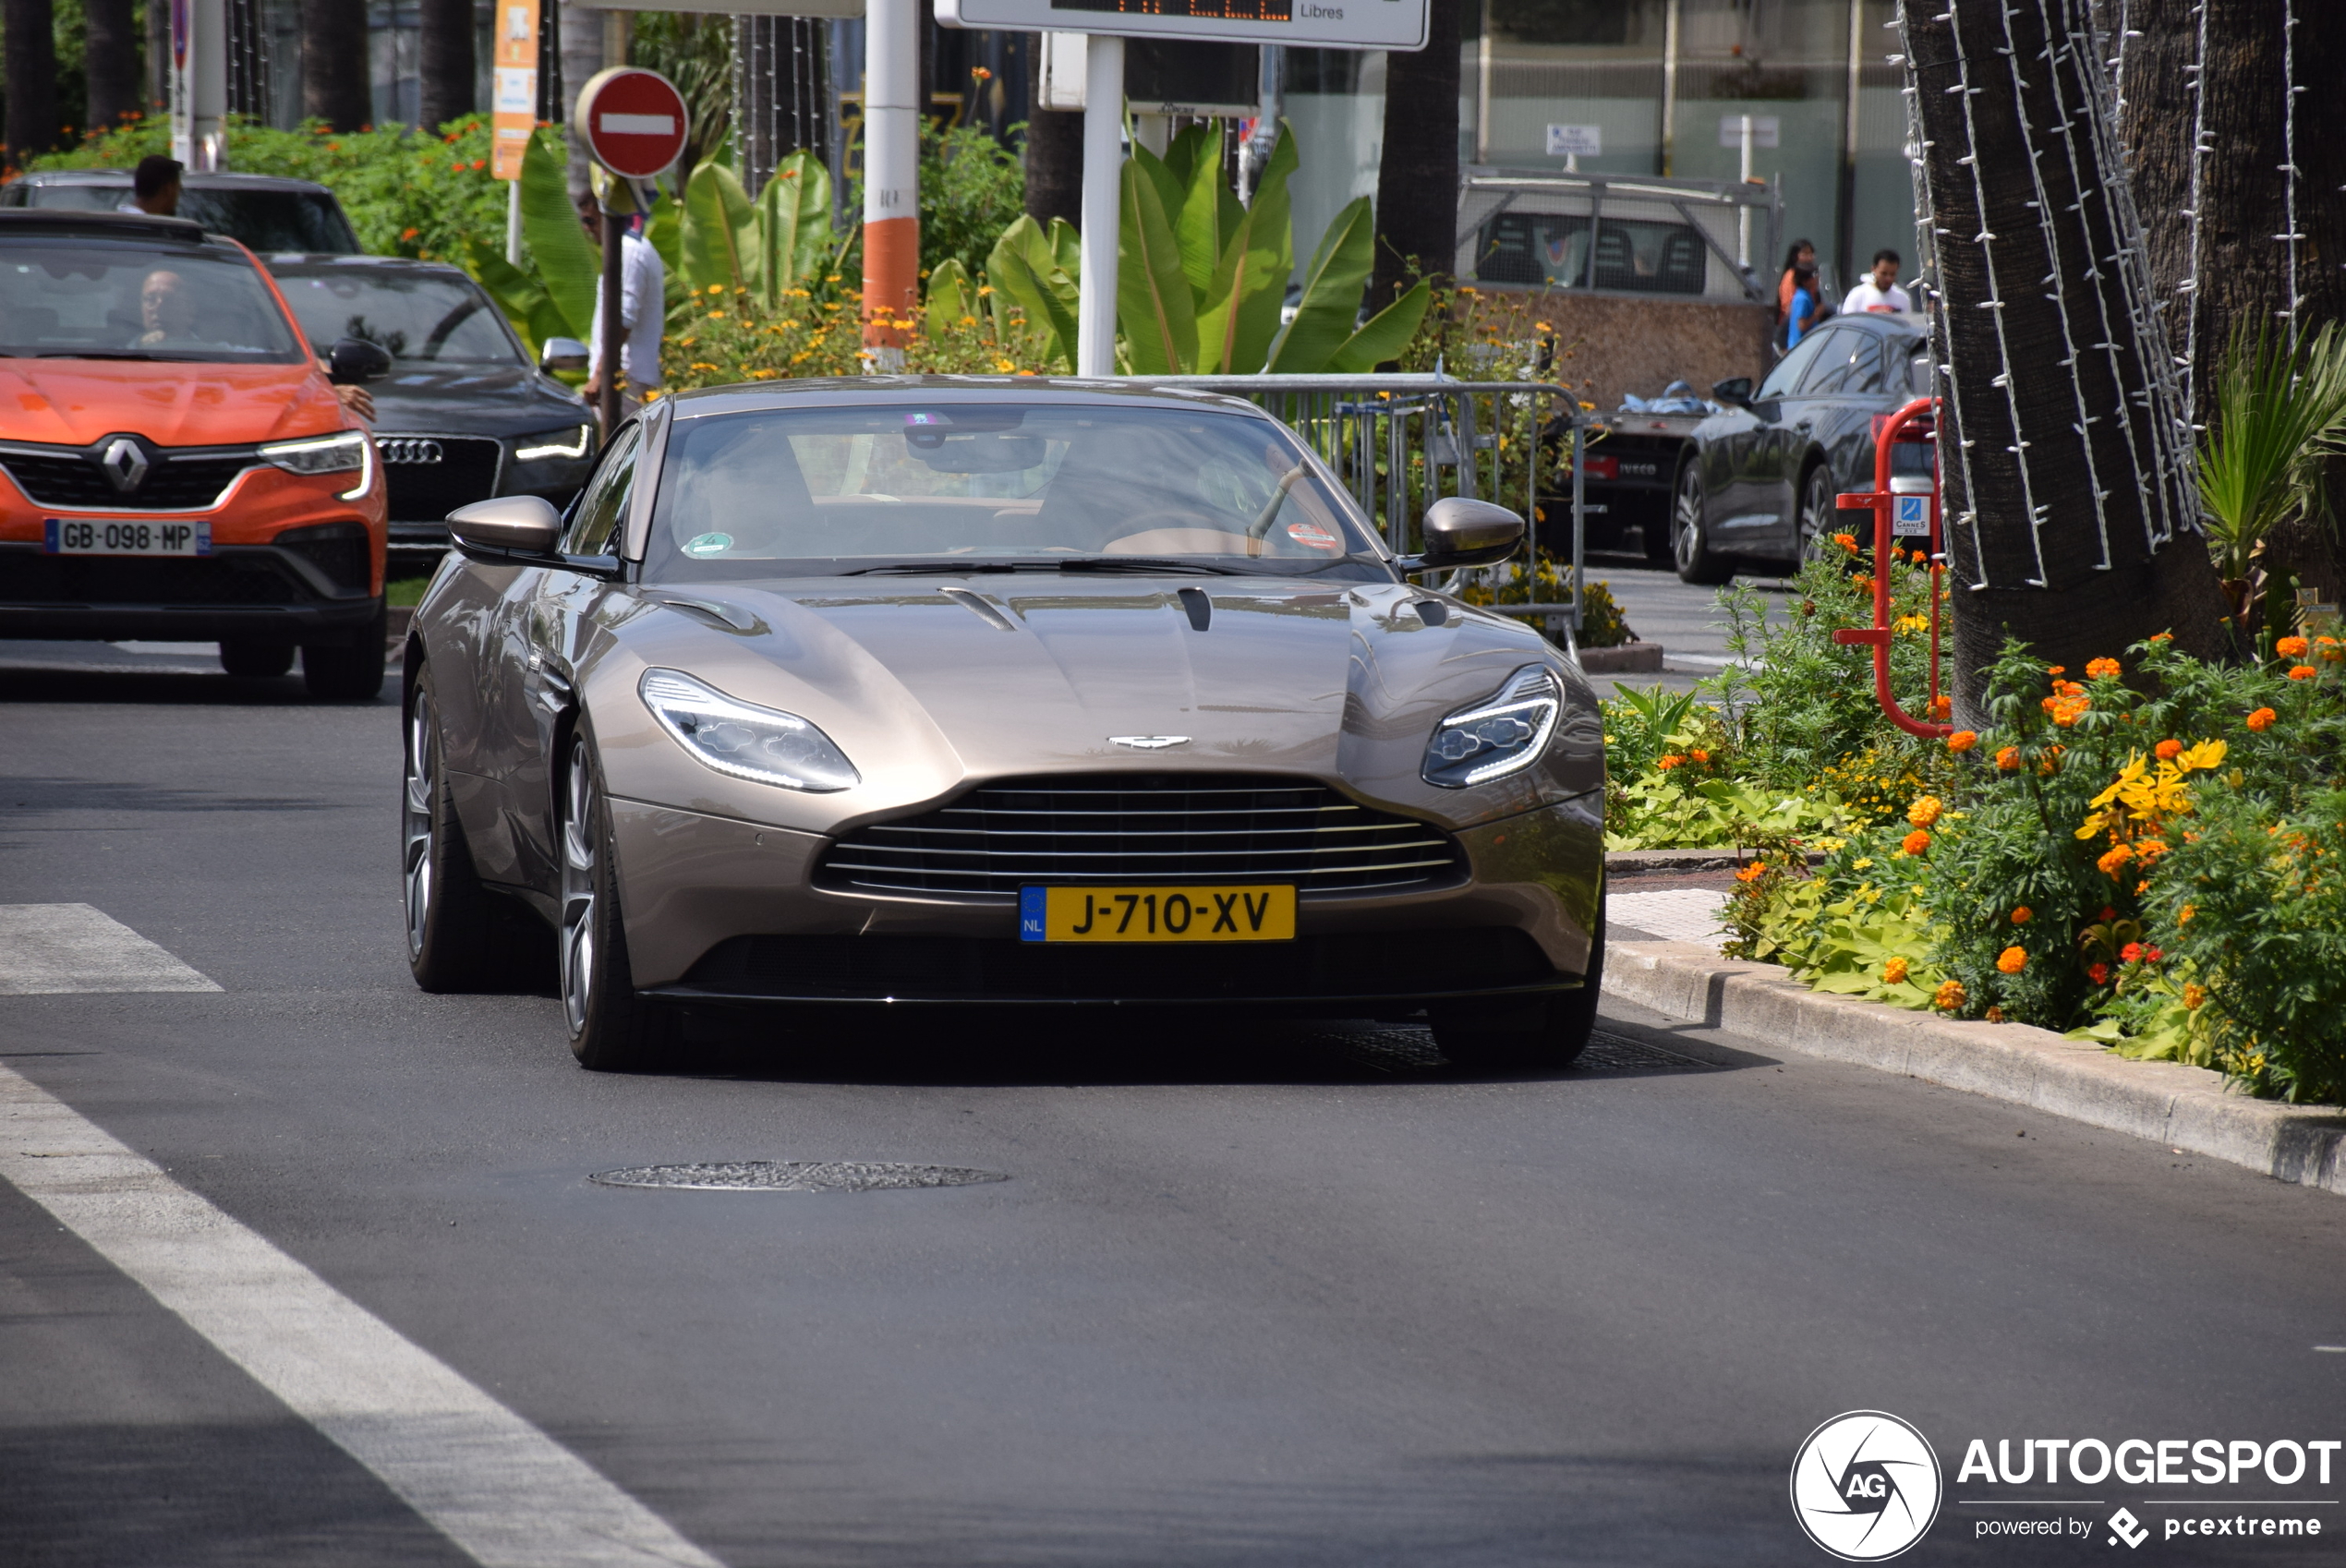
(1053, 160)
(31, 124)
(446, 68)
(335, 85)
(1417, 177)
(2072, 510)
(110, 62)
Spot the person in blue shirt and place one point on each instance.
(1801, 317)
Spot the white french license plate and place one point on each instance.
(110, 536)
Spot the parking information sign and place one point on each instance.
(516, 108)
(1313, 24)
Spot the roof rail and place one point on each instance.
(113, 226)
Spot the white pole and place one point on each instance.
(199, 89)
(891, 175)
(513, 220)
(1103, 172)
(1743, 213)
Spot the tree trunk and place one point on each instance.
(158, 83)
(32, 124)
(1054, 162)
(110, 62)
(1417, 177)
(2072, 511)
(446, 69)
(335, 85)
(581, 31)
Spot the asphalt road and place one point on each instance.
(1251, 1294)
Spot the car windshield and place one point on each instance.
(994, 485)
(306, 221)
(416, 316)
(71, 298)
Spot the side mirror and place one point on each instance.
(354, 361)
(562, 354)
(1459, 532)
(506, 524)
(1735, 389)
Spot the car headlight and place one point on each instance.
(743, 740)
(337, 453)
(1501, 734)
(569, 441)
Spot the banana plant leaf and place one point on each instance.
(951, 295)
(794, 214)
(1207, 213)
(1024, 267)
(1384, 336)
(518, 294)
(1240, 316)
(720, 248)
(567, 264)
(665, 230)
(1153, 304)
(1331, 302)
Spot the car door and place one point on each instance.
(1748, 456)
(1815, 412)
(532, 661)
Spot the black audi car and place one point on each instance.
(264, 211)
(464, 413)
(1756, 484)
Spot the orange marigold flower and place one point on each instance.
(2008, 759)
(2302, 672)
(2291, 648)
(1846, 541)
(2168, 751)
(2056, 669)
(1894, 971)
(1667, 763)
(1941, 706)
(1925, 811)
(2011, 960)
(2022, 915)
(2193, 995)
(1698, 753)
(1915, 842)
(1862, 583)
(1751, 872)
(2114, 862)
(1995, 1015)
(1963, 740)
(1950, 998)
(2262, 719)
(2099, 668)
(2182, 916)
(2164, 637)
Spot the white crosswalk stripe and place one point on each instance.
(55, 949)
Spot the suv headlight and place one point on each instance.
(337, 453)
(743, 740)
(569, 441)
(1501, 734)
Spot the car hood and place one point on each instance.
(927, 685)
(74, 402)
(488, 400)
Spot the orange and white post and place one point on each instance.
(891, 177)
(516, 107)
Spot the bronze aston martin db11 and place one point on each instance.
(996, 692)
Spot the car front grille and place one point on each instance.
(259, 578)
(75, 482)
(1140, 827)
(1353, 967)
(431, 476)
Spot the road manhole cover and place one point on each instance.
(795, 1176)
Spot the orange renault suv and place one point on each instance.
(175, 463)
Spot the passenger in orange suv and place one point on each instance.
(175, 463)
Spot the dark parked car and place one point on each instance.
(1759, 482)
(463, 414)
(264, 211)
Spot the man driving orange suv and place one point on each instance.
(174, 464)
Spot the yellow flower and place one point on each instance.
(1894, 971)
(1865, 864)
(717, 288)
(2182, 916)
(1925, 811)
(2193, 995)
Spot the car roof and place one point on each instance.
(834, 391)
(1885, 321)
(103, 225)
(189, 181)
(322, 260)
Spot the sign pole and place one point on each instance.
(199, 83)
(1103, 187)
(514, 115)
(634, 122)
(891, 176)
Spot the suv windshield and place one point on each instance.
(306, 220)
(415, 316)
(980, 485)
(69, 297)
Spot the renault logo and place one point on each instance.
(125, 462)
(1150, 743)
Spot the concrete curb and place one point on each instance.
(2184, 1107)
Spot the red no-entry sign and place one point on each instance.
(634, 121)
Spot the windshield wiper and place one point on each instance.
(96, 354)
(1148, 565)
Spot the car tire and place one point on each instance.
(1690, 549)
(352, 671)
(253, 659)
(611, 1028)
(1820, 506)
(461, 935)
(1548, 1035)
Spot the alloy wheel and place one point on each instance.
(579, 880)
(416, 799)
(1686, 525)
(1816, 509)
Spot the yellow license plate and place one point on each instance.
(1264, 913)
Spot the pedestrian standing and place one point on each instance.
(155, 187)
(1880, 293)
(1800, 317)
(1802, 254)
(643, 315)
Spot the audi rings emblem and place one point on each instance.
(407, 448)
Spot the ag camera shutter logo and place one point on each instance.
(1864, 1486)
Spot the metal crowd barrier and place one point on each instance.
(1401, 442)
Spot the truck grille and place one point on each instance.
(431, 476)
(1140, 827)
(75, 482)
